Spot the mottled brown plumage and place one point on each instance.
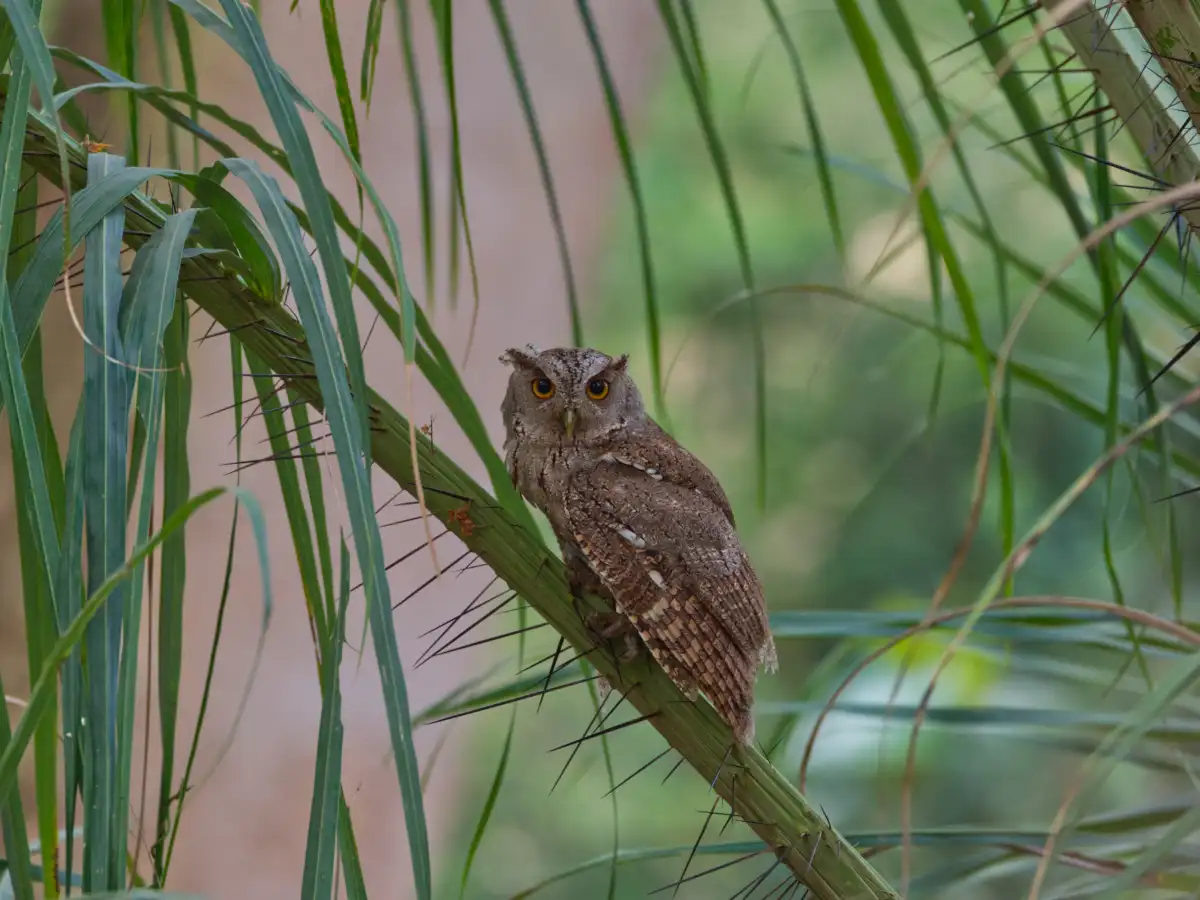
(640, 521)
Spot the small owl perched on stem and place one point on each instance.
(641, 522)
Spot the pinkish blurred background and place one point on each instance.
(245, 826)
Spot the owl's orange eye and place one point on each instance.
(543, 388)
(597, 389)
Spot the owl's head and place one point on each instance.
(568, 394)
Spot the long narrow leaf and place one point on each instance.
(176, 488)
(106, 392)
(72, 635)
(509, 44)
(147, 307)
(319, 871)
(356, 485)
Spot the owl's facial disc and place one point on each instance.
(568, 395)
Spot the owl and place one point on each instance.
(641, 522)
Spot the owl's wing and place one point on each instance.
(675, 567)
(653, 451)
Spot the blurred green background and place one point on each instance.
(873, 437)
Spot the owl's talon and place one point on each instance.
(607, 624)
(632, 647)
(577, 605)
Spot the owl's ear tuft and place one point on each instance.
(526, 359)
(619, 364)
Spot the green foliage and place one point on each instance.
(1060, 625)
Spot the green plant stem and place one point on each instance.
(1129, 93)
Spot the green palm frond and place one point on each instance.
(946, 189)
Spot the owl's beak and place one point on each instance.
(568, 420)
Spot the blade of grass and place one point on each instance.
(176, 488)
(40, 624)
(23, 423)
(371, 43)
(18, 873)
(620, 130)
(901, 28)
(161, 855)
(297, 505)
(23, 17)
(295, 501)
(88, 209)
(443, 21)
(337, 68)
(147, 308)
(187, 65)
(120, 19)
(164, 66)
(716, 150)
(69, 589)
(489, 805)
(421, 131)
(315, 502)
(71, 637)
(1022, 103)
(820, 154)
(509, 44)
(106, 417)
(1114, 326)
(244, 34)
(695, 48)
(357, 491)
(352, 873)
(436, 366)
(341, 85)
(38, 537)
(319, 871)
(901, 132)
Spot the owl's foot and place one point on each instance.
(630, 647)
(618, 632)
(607, 624)
(580, 577)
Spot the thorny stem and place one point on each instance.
(1172, 32)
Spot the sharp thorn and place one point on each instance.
(695, 846)
(530, 695)
(482, 641)
(725, 865)
(637, 772)
(594, 719)
(597, 734)
(562, 641)
(430, 580)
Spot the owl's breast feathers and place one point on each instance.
(656, 528)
